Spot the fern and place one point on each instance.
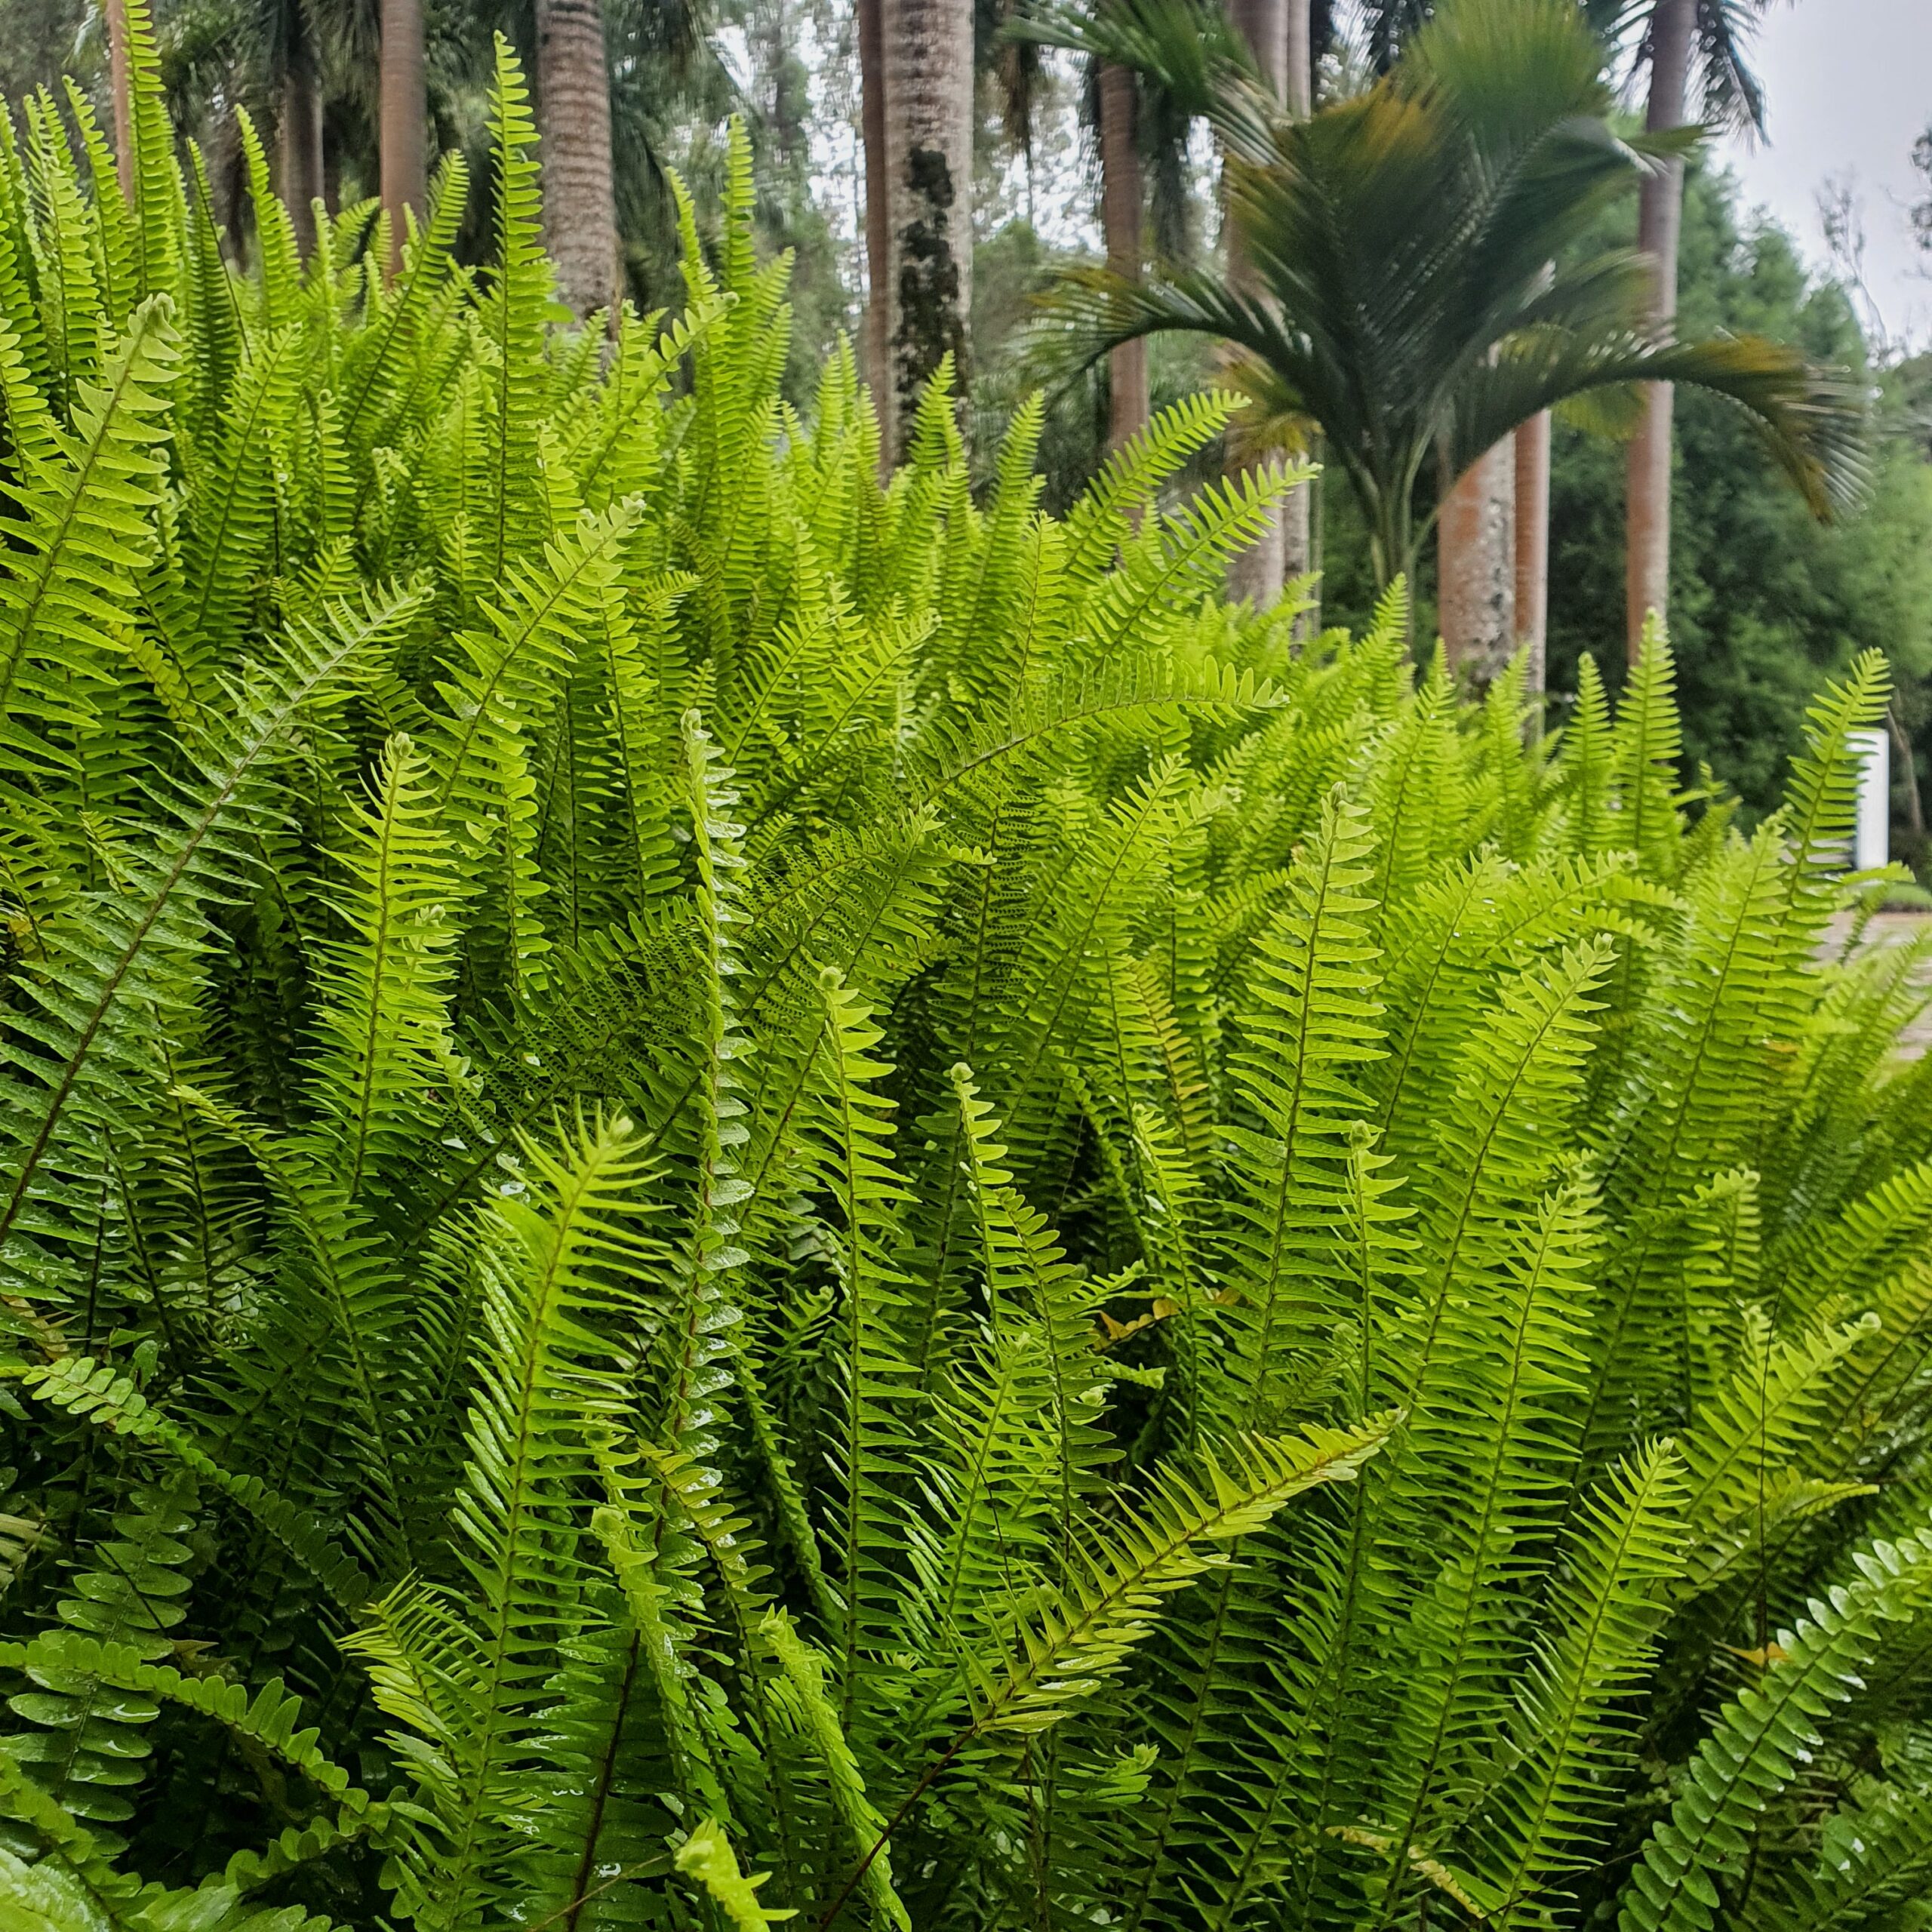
(1754, 1748)
(733, 1193)
(77, 544)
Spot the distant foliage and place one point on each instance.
(1767, 605)
(730, 1198)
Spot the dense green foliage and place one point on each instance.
(1418, 283)
(709, 1171)
(1766, 603)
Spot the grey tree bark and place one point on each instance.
(1255, 575)
(301, 142)
(1532, 453)
(1475, 568)
(403, 120)
(1659, 221)
(877, 341)
(928, 65)
(579, 191)
(1298, 512)
(1120, 222)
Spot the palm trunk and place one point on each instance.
(1475, 573)
(1255, 575)
(1533, 545)
(878, 224)
(302, 144)
(579, 196)
(1298, 82)
(1298, 512)
(928, 47)
(404, 120)
(1120, 221)
(1659, 218)
(121, 82)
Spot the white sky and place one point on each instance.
(1848, 88)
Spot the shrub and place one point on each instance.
(711, 1171)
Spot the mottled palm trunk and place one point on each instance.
(301, 142)
(1120, 222)
(877, 344)
(1256, 575)
(1298, 511)
(121, 81)
(1533, 545)
(580, 193)
(1475, 568)
(403, 126)
(1659, 218)
(928, 64)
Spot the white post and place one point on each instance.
(1871, 839)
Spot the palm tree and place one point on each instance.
(1492, 534)
(580, 195)
(290, 59)
(1297, 512)
(1530, 486)
(1257, 574)
(926, 48)
(1419, 291)
(403, 120)
(1678, 36)
(1121, 212)
(878, 226)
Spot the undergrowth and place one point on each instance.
(729, 1195)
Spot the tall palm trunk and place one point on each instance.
(579, 194)
(301, 133)
(1256, 573)
(1659, 218)
(928, 69)
(1298, 512)
(404, 120)
(121, 82)
(1533, 545)
(1475, 570)
(877, 343)
(1120, 222)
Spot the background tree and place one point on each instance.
(47, 38)
(1256, 573)
(1419, 292)
(290, 52)
(1767, 602)
(1122, 214)
(404, 121)
(928, 48)
(877, 345)
(573, 113)
(1682, 45)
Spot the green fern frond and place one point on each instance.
(1754, 1750)
(1314, 1024)
(1603, 1625)
(125, 956)
(78, 543)
(383, 1027)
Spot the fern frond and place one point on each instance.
(78, 543)
(383, 1027)
(1753, 1750)
(125, 954)
(1314, 1024)
(1603, 1621)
